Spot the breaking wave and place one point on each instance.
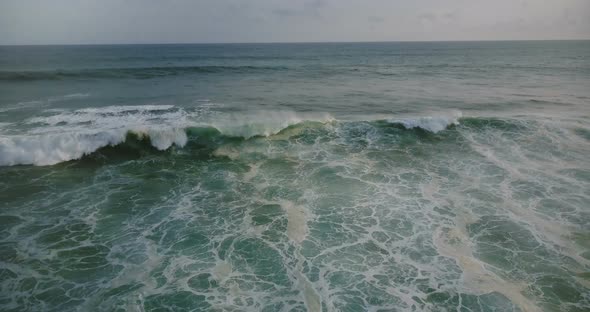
(42, 150)
(72, 135)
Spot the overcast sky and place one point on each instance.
(179, 21)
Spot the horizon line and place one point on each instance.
(287, 42)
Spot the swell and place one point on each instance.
(148, 72)
(50, 149)
(129, 72)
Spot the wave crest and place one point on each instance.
(51, 149)
(433, 124)
(263, 123)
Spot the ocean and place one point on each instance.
(402, 176)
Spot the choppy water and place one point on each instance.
(296, 177)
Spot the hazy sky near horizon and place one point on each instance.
(178, 21)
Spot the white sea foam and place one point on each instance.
(296, 221)
(43, 102)
(42, 150)
(4, 124)
(75, 96)
(434, 124)
(263, 123)
(52, 149)
(125, 108)
(112, 117)
(70, 135)
(163, 139)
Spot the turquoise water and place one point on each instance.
(296, 177)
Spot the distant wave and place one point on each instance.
(148, 72)
(129, 72)
(43, 102)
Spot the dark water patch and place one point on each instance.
(177, 301)
(134, 147)
(583, 133)
(493, 301)
(8, 221)
(132, 72)
(513, 249)
(494, 123)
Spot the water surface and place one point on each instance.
(296, 177)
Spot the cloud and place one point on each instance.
(438, 16)
(316, 4)
(375, 19)
(308, 9)
(286, 12)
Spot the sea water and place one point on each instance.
(450, 176)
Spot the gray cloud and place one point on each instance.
(375, 19)
(286, 12)
(308, 9)
(438, 17)
(315, 5)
